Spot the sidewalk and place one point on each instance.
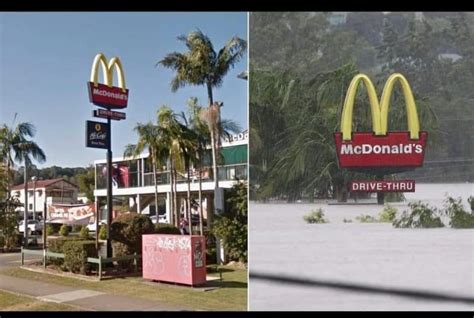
(85, 299)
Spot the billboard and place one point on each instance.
(380, 149)
(106, 95)
(97, 135)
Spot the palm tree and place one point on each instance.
(202, 140)
(149, 136)
(16, 147)
(172, 133)
(202, 65)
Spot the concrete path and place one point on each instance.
(82, 298)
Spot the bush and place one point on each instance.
(64, 231)
(347, 220)
(49, 230)
(315, 217)
(231, 226)
(2, 241)
(459, 218)
(167, 229)
(56, 245)
(9, 222)
(365, 218)
(129, 228)
(388, 214)
(103, 232)
(121, 249)
(76, 228)
(84, 232)
(76, 253)
(420, 216)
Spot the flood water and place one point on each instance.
(369, 254)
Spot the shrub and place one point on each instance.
(2, 241)
(76, 253)
(315, 217)
(56, 245)
(231, 226)
(103, 232)
(459, 218)
(121, 249)
(9, 222)
(76, 228)
(64, 231)
(365, 218)
(388, 214)
(49, 230)
(167, 229)
(84, 232)
(129, 228)
(347, 220)
(420, 216)
(470, 200)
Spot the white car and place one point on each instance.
(34, 226)
(161, 219)
(92, 226)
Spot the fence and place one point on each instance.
(100, 260)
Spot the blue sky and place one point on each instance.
(46, 59)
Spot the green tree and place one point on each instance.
(202, 65)
(17, 147)
(86, 183)
(231, 225)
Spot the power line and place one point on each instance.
(409, 293)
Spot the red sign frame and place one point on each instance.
(107, 96)
(396, 151)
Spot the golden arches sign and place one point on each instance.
(107, 71)
(380, 109)
(105, 94)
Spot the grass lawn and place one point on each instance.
(231, 294)
(13, 302)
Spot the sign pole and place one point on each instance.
(109, 188)
(380, 194)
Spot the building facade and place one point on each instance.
(134, 188)
(53, 191)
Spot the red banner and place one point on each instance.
(105, 96)
(394, 150)
(382, 186)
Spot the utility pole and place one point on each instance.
(25, 211)
(109, 187)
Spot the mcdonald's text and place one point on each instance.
(382, 186)
(109, 97)
(393, 150)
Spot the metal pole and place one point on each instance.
(380, 195)
(25, 211)
(44, 221)
(109, 187)
(34, 198)
(97, 216)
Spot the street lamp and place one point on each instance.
(34, 178)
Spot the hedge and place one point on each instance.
(76, 253)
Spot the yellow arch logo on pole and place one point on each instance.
(108, 71)
(379, 110)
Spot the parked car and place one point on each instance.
(34, 226)
(160, 219)
(92, 226)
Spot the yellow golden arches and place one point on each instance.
(346, 121)
(379, 110)
(107, 71)
(412, 115)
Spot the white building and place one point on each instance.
(134, 190)
(52, 191)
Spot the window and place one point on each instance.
(30, 206)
